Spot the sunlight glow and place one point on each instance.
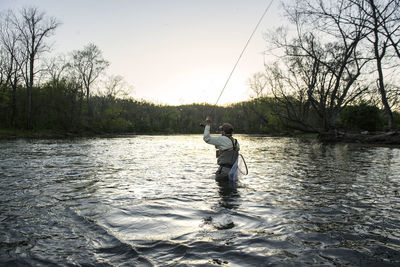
(171, 52)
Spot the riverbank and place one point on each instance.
(375, 138)
(47, 134)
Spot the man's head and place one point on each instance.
(226, 129)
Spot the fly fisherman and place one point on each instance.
(227, 147)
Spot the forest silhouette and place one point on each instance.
(318, 85)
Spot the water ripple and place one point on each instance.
(152, 201)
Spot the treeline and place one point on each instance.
(60, 107)
(339, 73)
(41, 93)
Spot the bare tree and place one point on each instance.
(318, 70)
(56, 68)
(12, 60)
(33, 28)
(257, 84)
(387, 13)
(3, 68)
(8, 39)
(89, 64)
(115, 86)
(383, 26)
(379, 21)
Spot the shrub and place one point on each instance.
(361, 117)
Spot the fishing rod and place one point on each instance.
(240, 56)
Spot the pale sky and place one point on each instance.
(170, 51)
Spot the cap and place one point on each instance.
(226, 127)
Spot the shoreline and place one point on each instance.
(391, 138)
(46, 134)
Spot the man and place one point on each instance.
(227, 147)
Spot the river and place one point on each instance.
(153, 201)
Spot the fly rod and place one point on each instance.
(240, 56)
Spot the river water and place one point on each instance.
(153, 201)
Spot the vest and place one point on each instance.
(227, 157)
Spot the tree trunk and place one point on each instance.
(29, 89)
(388, 111)
(379, 56)
(14, 102)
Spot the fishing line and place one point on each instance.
(245, 165)
(241, 54)
(230, 75)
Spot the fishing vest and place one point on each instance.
(227, 157)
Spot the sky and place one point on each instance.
(170, 51)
